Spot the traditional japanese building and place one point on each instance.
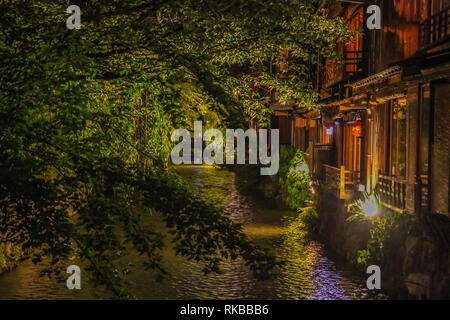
(384, 109)
(383, 125)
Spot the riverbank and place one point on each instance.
(308, 272)
(413, 264)
(10, 256)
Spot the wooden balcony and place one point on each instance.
(435, 29)
(392, 192)
(351, 67)
(343, 182)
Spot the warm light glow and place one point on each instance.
(356, 129)
(369, 206)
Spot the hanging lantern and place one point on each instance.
(356, 129)
(329, 128)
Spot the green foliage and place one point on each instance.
(292, 180)
(9, 256)
(276, 182)
(310, 219)
(387, 234)
(86, 117)
(367, 201)
(297, 182)
(249, 179)
(304, 226)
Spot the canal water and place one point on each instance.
(308, 272)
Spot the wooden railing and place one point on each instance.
(343, 181)
(423, 190)
(351, 66)
(434, 29)
(392, 191)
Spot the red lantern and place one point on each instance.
(329, 128)
(356, 129)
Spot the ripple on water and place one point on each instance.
(307, 273)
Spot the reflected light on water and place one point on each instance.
(307, 273)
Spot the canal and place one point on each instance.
(308, 272)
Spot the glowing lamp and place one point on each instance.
(329, 128)
(369, 206)
(356, 129)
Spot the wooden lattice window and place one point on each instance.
(398, 136)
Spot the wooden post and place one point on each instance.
(342, 183)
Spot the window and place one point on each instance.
(354, 48)
(351, 52)
(397, 139)
(425, 120)
(351, 149)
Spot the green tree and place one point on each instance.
(86, 117)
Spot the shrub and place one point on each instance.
(387, 234)
(297, 183)
(304, 226)
(276, 183)
(9, 256)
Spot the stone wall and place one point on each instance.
(441, 149)
(419, 267)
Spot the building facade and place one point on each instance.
(384, 111)
(384, 125)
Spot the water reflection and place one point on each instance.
(307, 273)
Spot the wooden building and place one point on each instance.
(385, 110)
